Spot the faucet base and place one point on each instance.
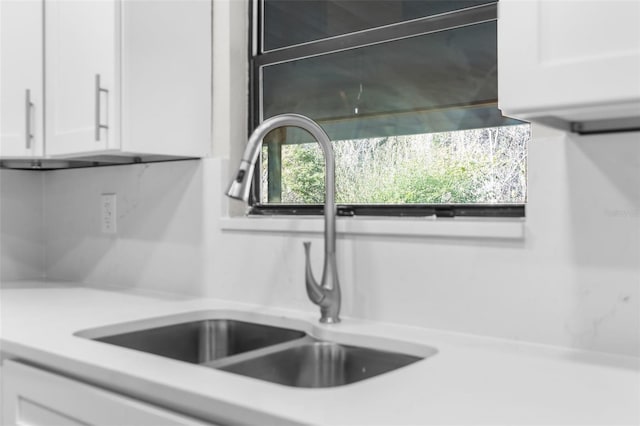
(329, 320)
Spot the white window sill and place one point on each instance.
(503, 228)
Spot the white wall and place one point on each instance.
(573, 280)
(21, 225)
(159, 239)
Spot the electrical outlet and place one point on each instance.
(108, 213)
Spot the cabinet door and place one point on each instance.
(82, 59)
(21, 79)
(577, 60)
(39, 398)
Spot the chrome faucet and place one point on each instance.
(327, 293)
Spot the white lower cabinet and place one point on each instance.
(35, 397)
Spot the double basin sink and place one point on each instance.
(290, 356)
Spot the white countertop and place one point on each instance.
(471, 380)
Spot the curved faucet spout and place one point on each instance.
(325, 294)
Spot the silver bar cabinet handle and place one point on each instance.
(99, 90)
(28, 107)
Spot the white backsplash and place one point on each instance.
(21, 225)
(573, 280)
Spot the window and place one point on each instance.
(407, 92)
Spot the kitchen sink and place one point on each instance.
(272, 349)
(320, 364)
(203, 341)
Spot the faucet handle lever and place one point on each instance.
(314, 291)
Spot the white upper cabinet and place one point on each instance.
(570, 63)
(128, 78)
(21, 85)
(82, 39)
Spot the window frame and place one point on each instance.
(483, 13)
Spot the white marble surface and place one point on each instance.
(570, 280)
(22, 251)
(471, 380)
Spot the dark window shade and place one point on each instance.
(425, 84)
(411, 107)
(291, 22)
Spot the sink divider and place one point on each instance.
(267, 350)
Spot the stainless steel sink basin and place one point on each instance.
(203, 341)
(273, 349)
(319, 364)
